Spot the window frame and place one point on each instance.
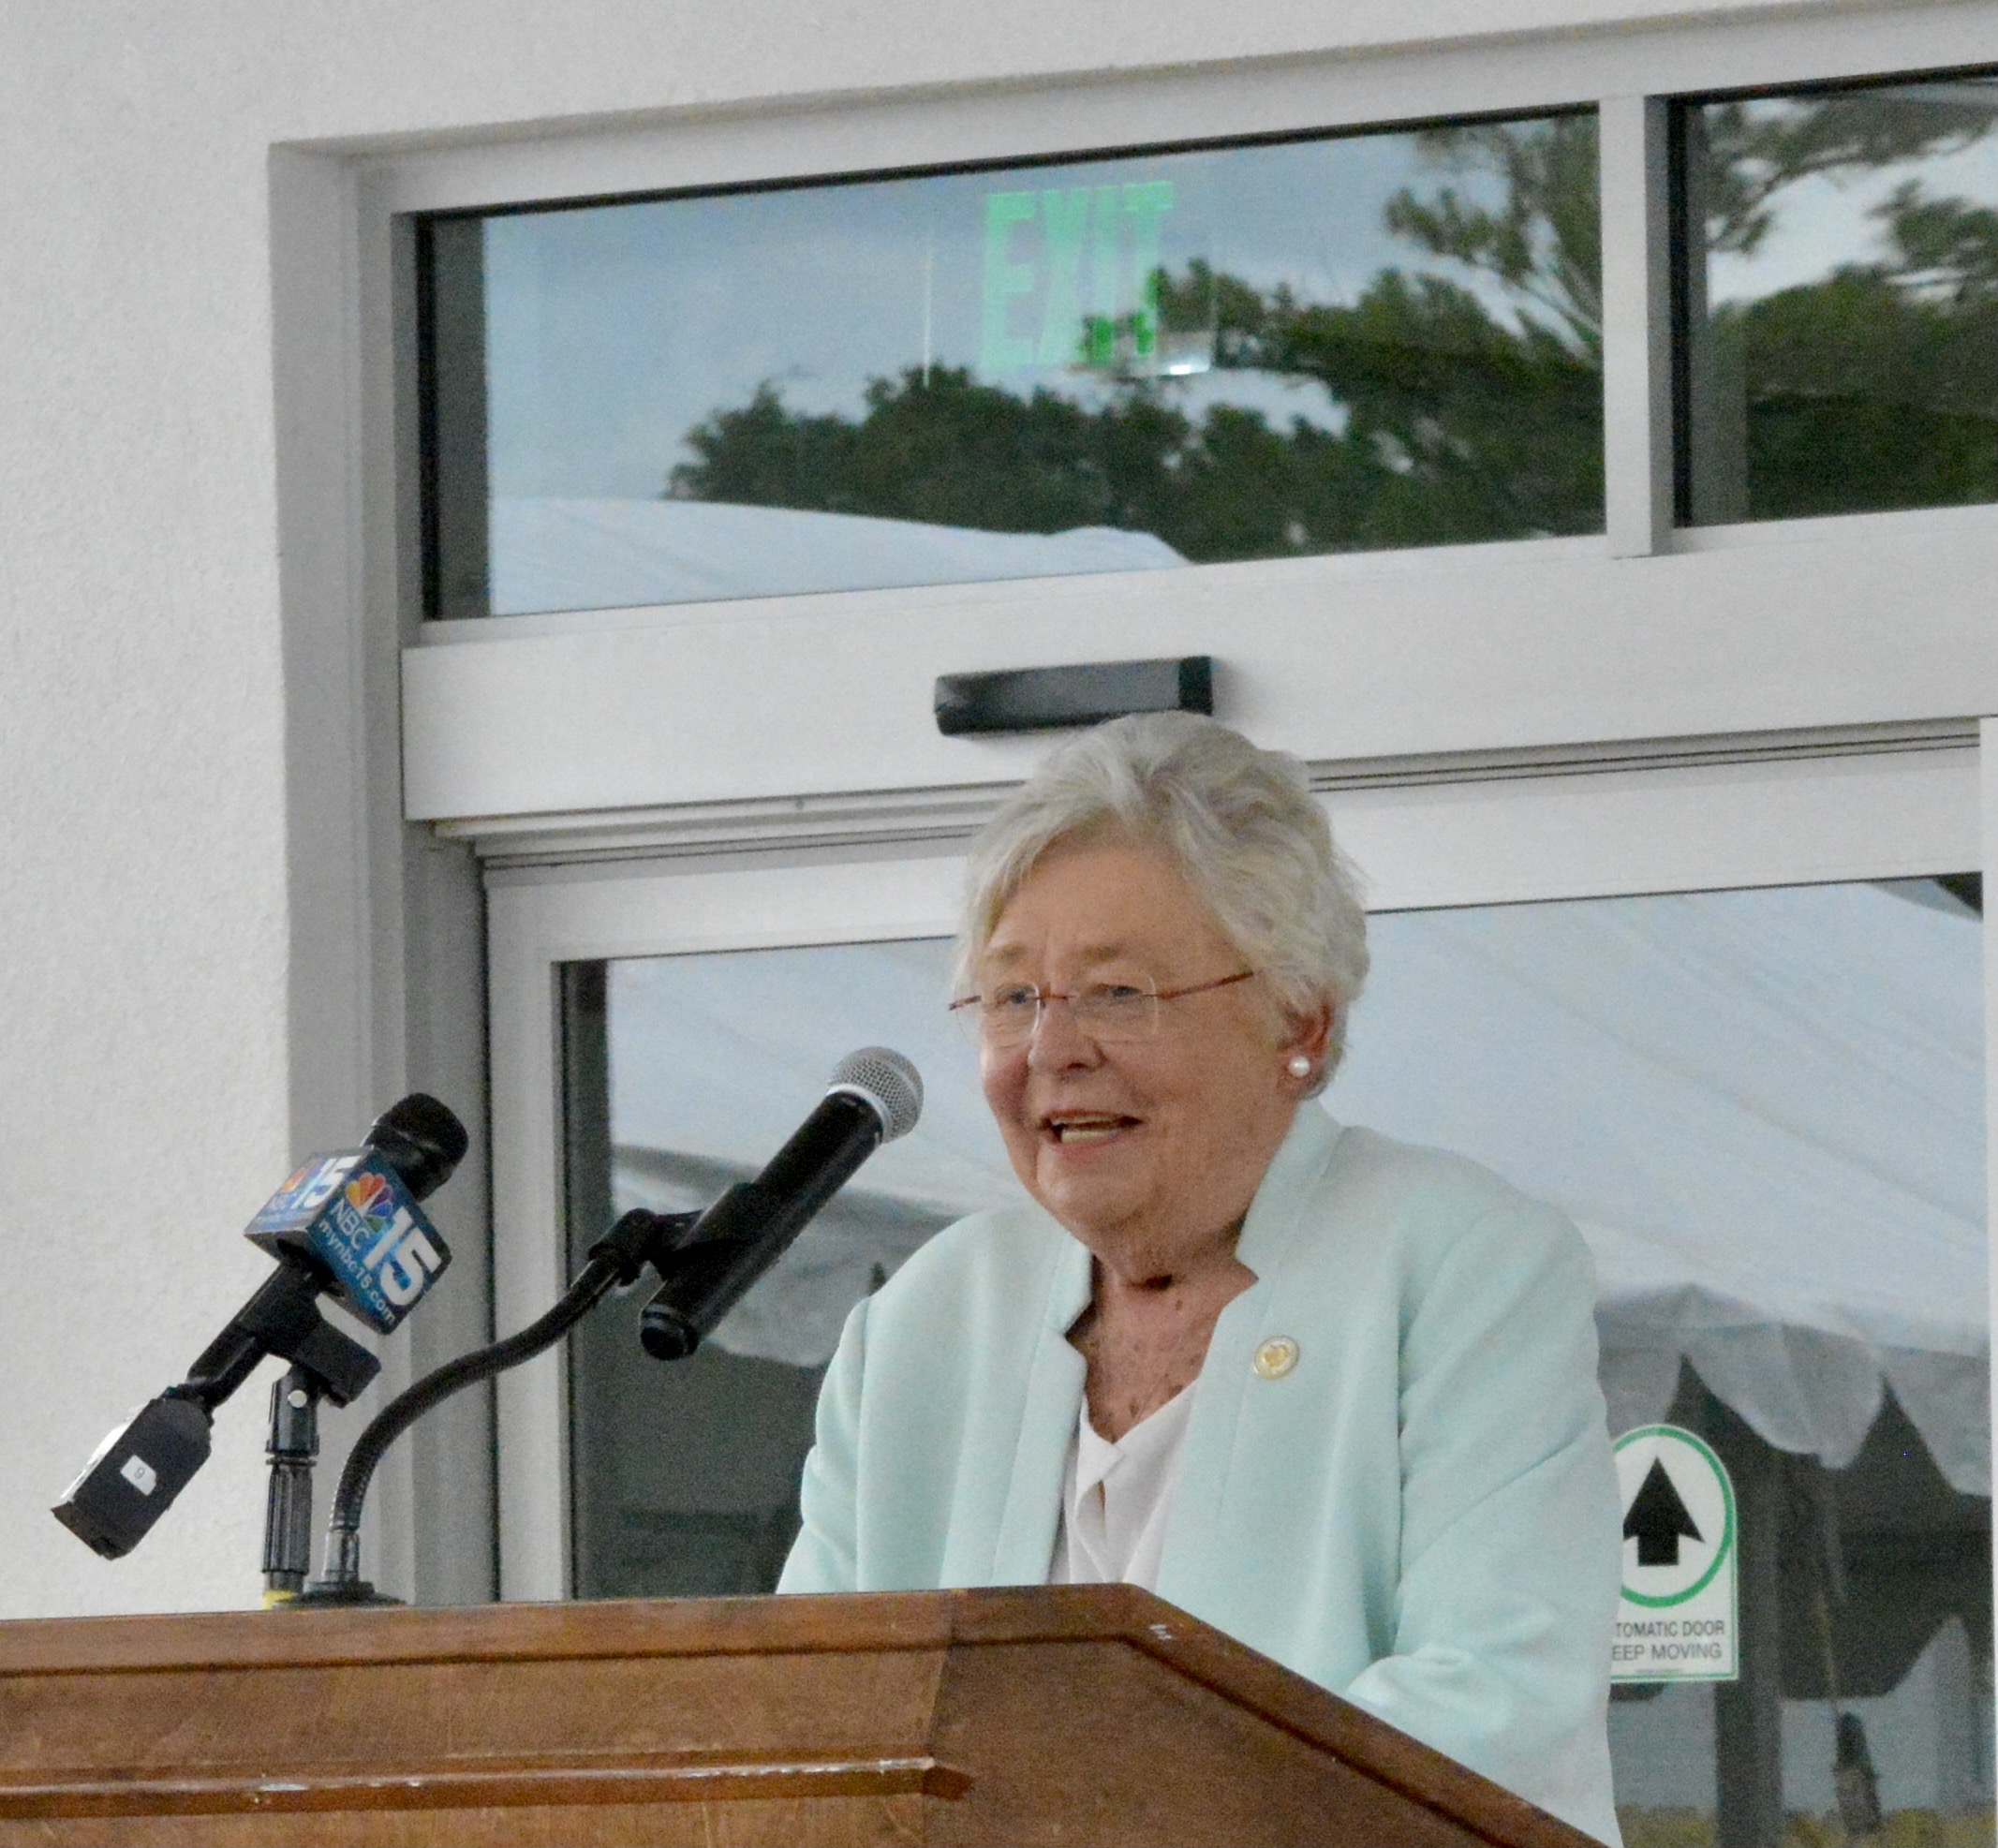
(1663, 631)
(445, 412)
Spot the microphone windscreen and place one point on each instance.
(423, 1140)
(887, 1081)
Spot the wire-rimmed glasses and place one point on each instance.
(1112, 1014)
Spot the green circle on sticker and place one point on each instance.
(1727, 1502)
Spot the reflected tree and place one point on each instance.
(1464, 397)
(1472, 407)
(1752, 151)
(1873, 387)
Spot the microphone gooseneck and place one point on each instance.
(618, 1257)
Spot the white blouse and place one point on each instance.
(1115, 1499)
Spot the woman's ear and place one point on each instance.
(1308, 1035)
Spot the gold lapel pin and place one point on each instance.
(1276, 1356)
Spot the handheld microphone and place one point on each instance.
(874, 1097)
(353, 1217)
(345, 1223)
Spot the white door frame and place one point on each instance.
(1677, 828)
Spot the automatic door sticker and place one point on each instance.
(1676, 1619)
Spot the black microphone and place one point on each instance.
(875, 1096)
(346, 1223)
(352, 1216)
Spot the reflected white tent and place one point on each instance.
(600, 554)
(1765, 1109)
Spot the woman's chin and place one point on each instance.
(1092, 1193)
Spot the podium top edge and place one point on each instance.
(324, 1638)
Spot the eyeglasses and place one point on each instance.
(1110, 1013)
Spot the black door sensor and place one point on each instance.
(1036, 699)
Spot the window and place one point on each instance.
(1840, 330)
(686, 1476)
(1126, 363)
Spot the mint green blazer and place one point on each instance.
(1421, 1515)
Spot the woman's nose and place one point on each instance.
(1057, 1040)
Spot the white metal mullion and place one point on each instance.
(1637, 326)
(529, 1269)
(1988, 764)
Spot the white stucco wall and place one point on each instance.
(145, 1058)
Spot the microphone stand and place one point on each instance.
(293, 1447)
(283, 1318)
(325, 1364)
(618, 1257)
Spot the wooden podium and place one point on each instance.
(1077, 1714)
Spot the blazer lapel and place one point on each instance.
(1026, 1541)
(1199, 1546)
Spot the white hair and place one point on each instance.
(1240, 825)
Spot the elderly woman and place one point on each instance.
(1332, 1394)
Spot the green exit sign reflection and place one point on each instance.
(1071, 276)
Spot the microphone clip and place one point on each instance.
(708, 1268)
(283, 1318)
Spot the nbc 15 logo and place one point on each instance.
(354, 1218)
(397, 1255)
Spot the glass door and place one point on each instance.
(683, 1076)
(1764, 1108)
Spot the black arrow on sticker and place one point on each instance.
(1657, 1519)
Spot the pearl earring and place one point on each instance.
(1300, 1066)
